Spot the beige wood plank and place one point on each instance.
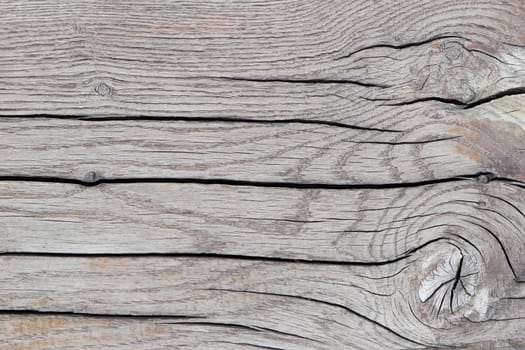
(367, 225)
(23, 332)
(66, 332)
(179, 57)
(432, 144)
(100, 332)
(374, 95)
(445, 293)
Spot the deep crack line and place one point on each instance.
(509, 92)
(459, 103)
(36, 312)
(238, 326)
(401, 46)
(146, 118)
(270, 259)
(93, 179)
(306, 81)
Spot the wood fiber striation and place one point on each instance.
(254, 174)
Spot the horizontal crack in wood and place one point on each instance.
(93, 179)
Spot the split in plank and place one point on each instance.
(415, 302)
(415, 143)
(252, 174)
(200, 59)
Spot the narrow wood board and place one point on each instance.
(98, 332)
(247, 59)
(399, 304)
(307, 303)
(414, 144)
(340, 225)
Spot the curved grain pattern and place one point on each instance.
(322, 305)
(255, 174)
(367, 226)
(211, 58)
(58, 331)
(427, 143)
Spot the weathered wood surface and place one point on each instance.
(262, 174)
(368, 226)
(306, 303)
(205, 58)
(414, 144)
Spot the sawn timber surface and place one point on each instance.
(253, 174)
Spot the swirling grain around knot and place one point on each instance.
(411, 264)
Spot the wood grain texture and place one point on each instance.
(286, 59)
(255, 174)
(368, 225)
(438, 258)
(322, 305)
(427, 143)
(59, 331)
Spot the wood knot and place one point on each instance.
(91, 177)
(486, 178)
(103, 89)
(79, 28)
(453, 51)
(450, 285)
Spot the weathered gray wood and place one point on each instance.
(405, 282)
(52, 332)
(22, 332)
(179, 57)
(315, 305)
(274, 174)
(368, 225)
(431, 144)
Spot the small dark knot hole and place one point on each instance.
(486, 178)
(91, 177)
(103, 89)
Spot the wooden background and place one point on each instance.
(262, 174)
